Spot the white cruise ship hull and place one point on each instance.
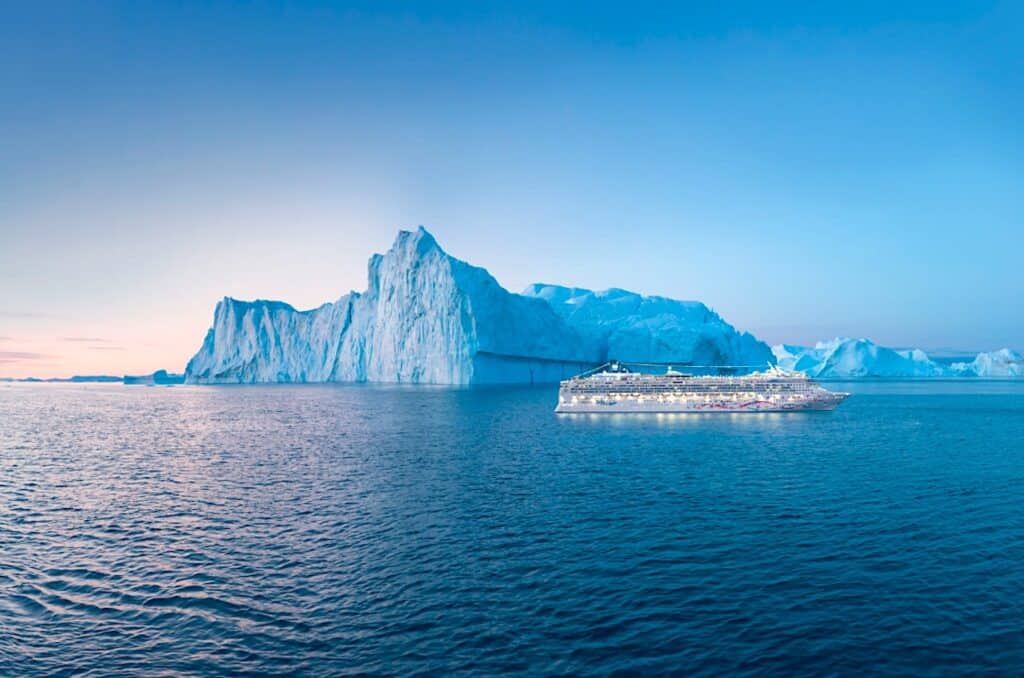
(625, 405)
(618, 390)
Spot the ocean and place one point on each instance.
(343, 529)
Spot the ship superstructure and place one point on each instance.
(614, 388)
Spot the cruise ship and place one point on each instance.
(612, 387)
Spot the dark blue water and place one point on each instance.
(332, 530)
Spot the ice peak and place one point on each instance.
(1008, 354)
(419, 242)
(406, 251)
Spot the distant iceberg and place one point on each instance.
(1001, 363)
(76, 379)
(853, 358)
(158, 378)
(427, 317)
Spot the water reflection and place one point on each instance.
(684, 420)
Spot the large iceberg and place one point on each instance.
(846, 358)
(427, 317)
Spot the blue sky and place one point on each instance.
(852, 168)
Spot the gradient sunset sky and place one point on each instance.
(851, 169)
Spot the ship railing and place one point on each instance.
(629, 369)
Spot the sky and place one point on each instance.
(808, 170)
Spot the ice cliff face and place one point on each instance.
(427, 317)
(269, 341)
(635, 328)
(843, 358)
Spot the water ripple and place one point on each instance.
(356, 530)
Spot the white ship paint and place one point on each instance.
(613, 388)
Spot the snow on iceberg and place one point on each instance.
(845, 358)
(635, 328)
(427, 317)
(1001, 363)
